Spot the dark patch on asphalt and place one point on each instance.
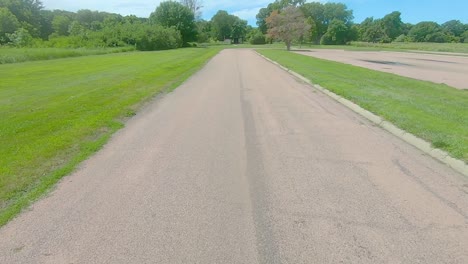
(387, 62)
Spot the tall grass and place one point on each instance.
(15, 55)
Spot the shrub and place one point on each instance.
(158, 38)
(257, 39)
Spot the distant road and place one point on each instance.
(244, 164)
(439, 68)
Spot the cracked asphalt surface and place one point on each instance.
(245, 164)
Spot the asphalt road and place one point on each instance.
(447, 68)
(244, 164)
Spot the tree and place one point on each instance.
(263, 13)
(221, 25)
(239, 29)
(422, 31)
(288, 25)
(195, 6)
(392, 25)
(27, 12)
(454, 30)
(323, 14)
(156, 37)
(337, 34)
(20, 38)
(174, 14)
(337, 11)
(464, 37)
(61, 24)
(204, 31)
(256, 37)
(8, 24)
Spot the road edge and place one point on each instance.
(419, 143)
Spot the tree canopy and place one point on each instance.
(174, 23)
(174, 14)
(287, 25)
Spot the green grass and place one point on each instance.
(55, 114)
(16, 55)
(434, 112)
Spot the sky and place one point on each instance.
(413, 11)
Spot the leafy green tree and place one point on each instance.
(174, 14)
(20, 38)
(256, 37)
(263, 13)
(289, 25)
(204, 31)
(392, 25)
(221, 25)
(337, 34)
(76, 29)
(195, 6)
(27, 12)
(8, 24)
(464, 37)
(61, 24)
(337, 11)
(239, 29)
(156, 37)
(454, 30)
(323, 14)
(422, 31)
(438, 37)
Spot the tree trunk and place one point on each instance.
(288, 46)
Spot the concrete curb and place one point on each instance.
(411, 139)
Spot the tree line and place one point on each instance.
(332, 23)
(172, 25)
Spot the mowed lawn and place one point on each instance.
(54, 114)
(434, 112)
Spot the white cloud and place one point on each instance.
(248, 14)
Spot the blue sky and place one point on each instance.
(413, 11)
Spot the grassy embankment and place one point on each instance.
(16, 55)
(434, 112)
(55, 114)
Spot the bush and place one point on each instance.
(326, 40)
(257, 39)
(438, 37)
(20, 38)
(401, 38)
(158, 38)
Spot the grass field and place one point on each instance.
(56, 113)
(434, 112)
(15, 55)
